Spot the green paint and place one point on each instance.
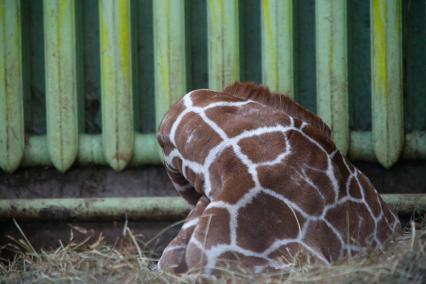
(91, 151)
(134, 208)
(223, 43)
(331, 68)
(169, 54)
(277, 45)
(198, 29)
(362, 146)
(116, 82)
(61, 82)
(36, 152)
(143, 208)
(146, 152)
(11, 88)
(415, 146)
(387, 96)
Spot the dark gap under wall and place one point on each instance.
(405, 177)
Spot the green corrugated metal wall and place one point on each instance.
(119, 36)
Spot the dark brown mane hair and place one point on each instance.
(261, 94)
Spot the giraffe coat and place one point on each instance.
(266, 183)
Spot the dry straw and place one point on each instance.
(130, 260)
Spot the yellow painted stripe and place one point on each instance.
(277, 45)
(387, 96)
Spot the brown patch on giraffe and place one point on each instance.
(306, 153)
(360, 224)
(323, 183)
(322, 239)
(213, 227)
(370, 194)
(354, 190)
(256, 150)
(177, 164)
(273, 220)
(199, 208)
(193, 133)
(326, 143)
(383, 230)
(389, 216)
(339, 163)
(190, 175)
(235, 120)
(177, 178)
(199, 184)
(174, 261)
(195, 258)
(287, 182)
(235, 185)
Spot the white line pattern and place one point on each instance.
(308, 222)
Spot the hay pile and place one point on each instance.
(129, 261)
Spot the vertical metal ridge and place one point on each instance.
(332, 68)
(387, 96)
(169, 54)
(61, 82)
(116, 82)
(12, 141)
(223, 43)
(277, 45)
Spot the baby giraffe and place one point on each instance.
(265, 182)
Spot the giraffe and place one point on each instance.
(265, 183)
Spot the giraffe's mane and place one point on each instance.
(261, 94)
